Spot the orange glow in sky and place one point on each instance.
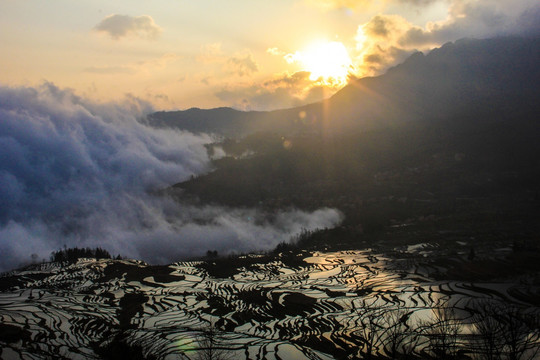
(247, 54)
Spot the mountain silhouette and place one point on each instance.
(450, 136)
(492, 78)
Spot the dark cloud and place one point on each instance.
(478, 20)
(387, 40)
(77, 173)
(374, 58)
(378, 26)
(289, 81)
(119, 26)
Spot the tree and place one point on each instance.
(442, 332)
(488, 330)
(399, 340)
(71, 255)
(521, 332)
(210, 344)
(371, 329)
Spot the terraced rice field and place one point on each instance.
(336, 305)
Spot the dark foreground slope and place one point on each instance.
(340, 305)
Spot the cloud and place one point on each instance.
(385, 26)
(78, 173)
(120, 26)
(282, 91)
(378, 43)
(275, 51)
(297, 80)
(242, 64)
(387, 40)
(488, 18)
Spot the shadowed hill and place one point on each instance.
(442, 147)
(495, 76)
(228, 122)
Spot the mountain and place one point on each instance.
(488, 78)
(443, 148)
(467, 76)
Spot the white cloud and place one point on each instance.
(78, 173)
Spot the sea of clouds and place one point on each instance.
(78, 173)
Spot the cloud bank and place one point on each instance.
(387, 39)
(119, 26)
(77, 173)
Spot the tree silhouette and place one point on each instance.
(442, 331)
(521, 332)
(210, 344)
(488, 330)
(370, 329)
(399, 339)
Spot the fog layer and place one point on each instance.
(77, 173)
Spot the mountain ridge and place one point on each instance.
(469, 74)
(464, 157)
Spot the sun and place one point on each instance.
(328, 62)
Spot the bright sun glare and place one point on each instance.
(326, 61)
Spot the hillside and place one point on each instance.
(453, 157)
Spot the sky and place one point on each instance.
(248, 54)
